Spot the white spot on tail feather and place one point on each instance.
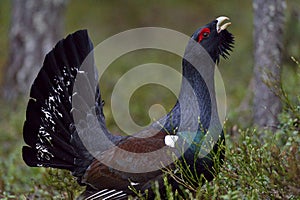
(42, 152)
(80, 72)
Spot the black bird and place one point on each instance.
(54, 140)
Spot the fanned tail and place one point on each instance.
(49, 129)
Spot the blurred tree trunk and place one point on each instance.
(268, 41)
(36, 25)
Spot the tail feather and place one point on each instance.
(49, 127)
(55, 163)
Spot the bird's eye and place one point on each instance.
(205, 34)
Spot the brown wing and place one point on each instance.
(136, 159)
(144, 144)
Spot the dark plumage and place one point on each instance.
(53, 139)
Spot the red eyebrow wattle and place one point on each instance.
(205, 30)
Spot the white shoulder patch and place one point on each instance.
(170, 140)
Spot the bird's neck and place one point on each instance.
(196, 97)
(196, 106)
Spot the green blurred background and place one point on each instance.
(106, 18)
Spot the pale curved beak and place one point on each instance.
(221, 25)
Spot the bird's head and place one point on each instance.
(215, 39)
